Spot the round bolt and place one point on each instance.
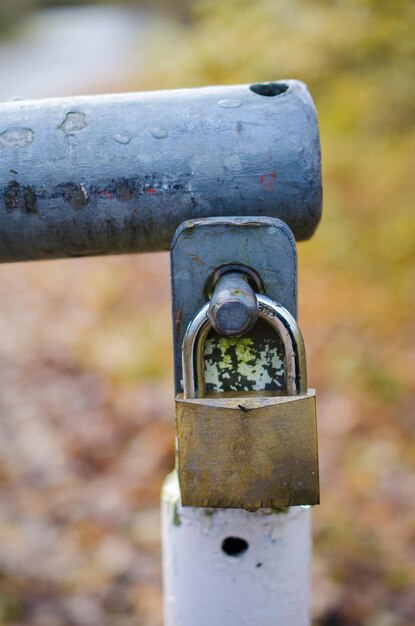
(233, 308)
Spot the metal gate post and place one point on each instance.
(118, 174)
(229, 566)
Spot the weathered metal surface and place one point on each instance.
(199, 247)
(248, 451)
(233, 308)
(116, 174)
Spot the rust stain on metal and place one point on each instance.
(11, 195)
(79, 194)
(178, 324)
(197, 259)
(17, 196)
(74, 194)
(29, 199)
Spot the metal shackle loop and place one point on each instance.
(273, 313)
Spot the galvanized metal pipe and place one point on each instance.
(117, 174)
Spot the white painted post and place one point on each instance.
(264, 583)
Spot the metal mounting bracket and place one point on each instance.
(263, 244)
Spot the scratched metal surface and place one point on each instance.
(266, 245)
(115, 174)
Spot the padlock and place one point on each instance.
(247, 450)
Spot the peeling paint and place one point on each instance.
(229, 103)
(124, 189)
(16, 137)
(11, 195)
(122, 138)
(240, 364)
(17, 196)
(29, 199)
(74, 194)
(233, 163)
(73, 123)
(159, 133)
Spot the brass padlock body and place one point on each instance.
(248, 451)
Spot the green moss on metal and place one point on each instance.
(282, 510)
(176, 516)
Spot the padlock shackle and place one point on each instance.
(273, 313)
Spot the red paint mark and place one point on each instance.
(268, 180)
(151, 190)
(106, 194)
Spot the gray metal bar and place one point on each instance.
(116, 174)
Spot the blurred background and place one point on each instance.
(86, 388)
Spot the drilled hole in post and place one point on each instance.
(269, 89)
(234, 546)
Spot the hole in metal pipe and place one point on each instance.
(234, 546)
(269, 89)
